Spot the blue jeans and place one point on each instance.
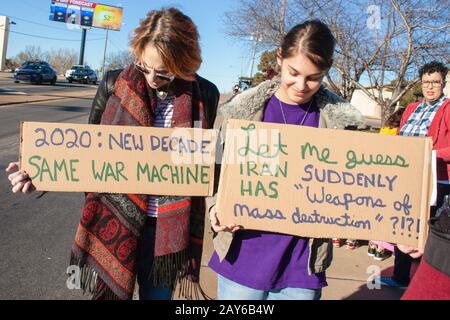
(230, 290)
(147, 291)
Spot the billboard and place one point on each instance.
(86, 14)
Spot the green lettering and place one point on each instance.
(322, 157)
(120, 166)
(73, 170)
(165, 166)
(175, 175)
(204, 174)
(97, 175)
(260, 188)
(143, 170)
(38, 168)
(284, 172)
(155, 174)
(110, 173)
(46, 169)
(263, 149)
(273, 186)
(192, 175)
(59, 167)
(243, 190)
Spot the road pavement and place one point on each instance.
(36, 234)
(17, 93)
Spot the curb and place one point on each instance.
(31, 100)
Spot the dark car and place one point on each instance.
(83, 75)
(27, 63)
(35, 73)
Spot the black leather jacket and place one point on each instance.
(209, 94)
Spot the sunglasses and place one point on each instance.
(160, 76)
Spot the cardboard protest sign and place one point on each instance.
(325, 183)
(118, 159)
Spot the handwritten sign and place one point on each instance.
(118, 159)
(325, 183)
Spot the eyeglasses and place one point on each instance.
(434, 83)
(160, 76)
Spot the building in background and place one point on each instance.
(370, 109)
(4, 33)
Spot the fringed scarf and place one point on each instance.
(109, 235)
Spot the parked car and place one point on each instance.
(35, 73)
(83, 75)
(73, 69)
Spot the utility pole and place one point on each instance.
(252, 60)
(83, 45)
(4, 33)
(104, 53)
(283, 17)
(242, 62)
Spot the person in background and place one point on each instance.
(235, 89)
(261, 265)
(160, 89)
(427, 118)
(350, 244)
(432, 278)
(381, 250)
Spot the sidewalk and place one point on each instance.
(347, 277)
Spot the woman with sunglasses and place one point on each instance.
(124, 236)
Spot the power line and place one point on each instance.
(48, 38)
(121, 48)
(42, 25)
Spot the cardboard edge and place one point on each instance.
(213, 164)
(223, 179)
(427, 184)
(22, 123)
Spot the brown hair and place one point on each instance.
(393, 121)
(432, 67)
(175, 37)
(312, 38)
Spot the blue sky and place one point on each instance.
(221, 54)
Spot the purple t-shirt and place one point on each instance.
(266, 260)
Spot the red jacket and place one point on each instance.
(432, 278)
(440, 133)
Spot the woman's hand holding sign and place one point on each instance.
(215, 223)
(411, 251)
(20, 180)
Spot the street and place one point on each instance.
(36, 234)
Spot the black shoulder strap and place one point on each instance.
(196, 97)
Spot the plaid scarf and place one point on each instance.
(419, 122)
(109, 235)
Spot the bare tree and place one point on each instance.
(62, 59)
(32, 53)
(380, 44)
(265, 19)
(118, 60)
(12, 64)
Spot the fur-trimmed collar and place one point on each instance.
(249, 103)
